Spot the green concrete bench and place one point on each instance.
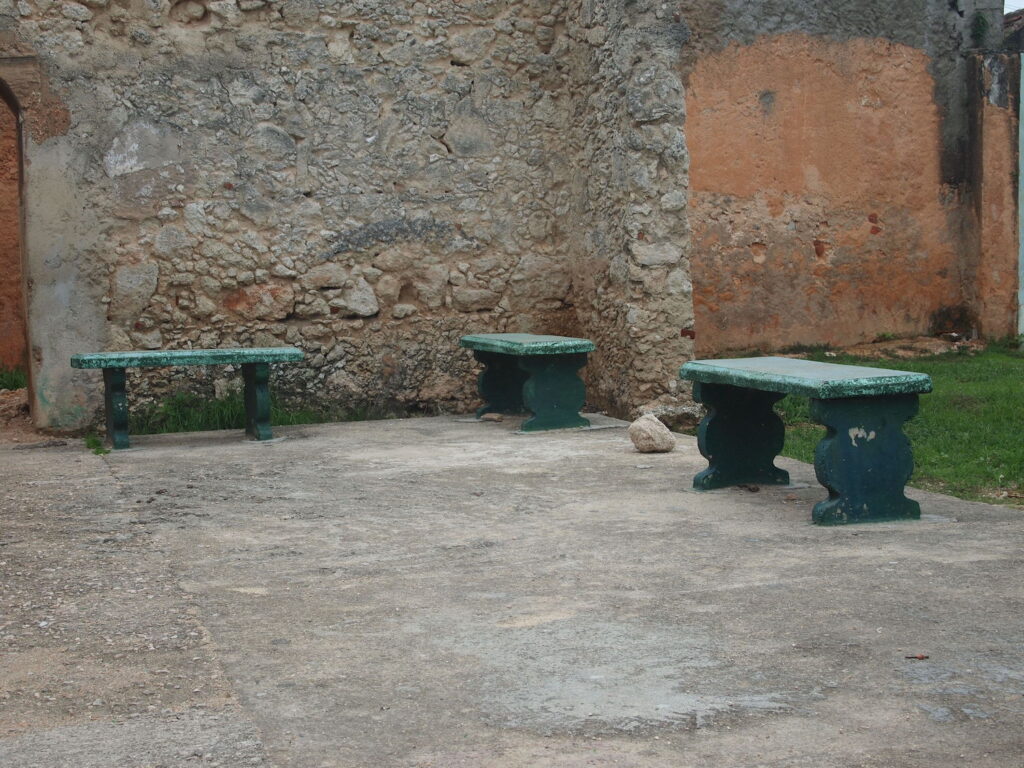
(255, 372)
(535, 373)
(864, 460)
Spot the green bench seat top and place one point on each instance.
(165, 357)
(523, 344)
(823, 381)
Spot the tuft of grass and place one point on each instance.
(187, 412)
(95, 444)
(966, 438)
(13, 378)
(979, 29)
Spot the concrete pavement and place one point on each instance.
(442, 592)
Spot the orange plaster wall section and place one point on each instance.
(12, 311)
(816, 197)
(995, 282)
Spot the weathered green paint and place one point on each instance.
(865, 459)
(534, 373)
(526, 344)
(740, 437)
(500, 384)
(824, 381)
(554, 393)
(167, 357)
(255, 364)
(257, 400)
(115, 399)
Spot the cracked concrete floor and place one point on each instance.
(441, 592)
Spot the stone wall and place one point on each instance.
(631, 243)
(836, 229)
(365, 180)
(370, 180)
(991, 256)
(834, 176)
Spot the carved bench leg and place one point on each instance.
(865, 459)
(500, 384)
(740, 437)
(257, 400)
(554, 392)
(115, 398)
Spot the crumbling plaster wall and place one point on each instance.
(831, 183)
(991, 261)
(371, 180)
(365, 180)
(765, 173)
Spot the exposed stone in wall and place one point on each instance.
(821, 269)
(362, 179)
(370, 180)
(12, 308)
(632, 283)
(818, 206)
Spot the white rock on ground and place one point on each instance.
(649, 435)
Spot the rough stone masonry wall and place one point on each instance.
(369, 180)
(832, 181)
(631, 257)
(366, 180)
(766, 173)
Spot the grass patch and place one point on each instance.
(13, 378)
(95, 444)
(967, 436)
(186, 412)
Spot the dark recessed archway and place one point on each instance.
(13, 323)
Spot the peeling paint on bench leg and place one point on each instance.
(257, 400)
(115, 397)
(500, 384)
(865, 459)
(859, 432)
(740, 436)
(554, 393)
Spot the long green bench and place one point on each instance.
(864, 460)
(255, 372)
(524, 371)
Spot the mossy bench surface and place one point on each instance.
(864, 460)
(168, 357)
(522, 344)
(824, 381)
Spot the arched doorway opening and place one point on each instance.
(13, 315)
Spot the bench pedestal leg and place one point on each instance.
(740, 437)
(257, 400)
(115, 398)
(554, 393)
(865, 460)
(500, 384)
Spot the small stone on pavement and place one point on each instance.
(649, 435)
